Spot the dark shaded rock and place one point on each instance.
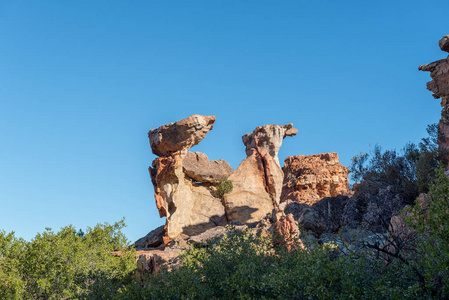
(152, 240)
(444, 43)
(310, 220)
(373, 209)
(294, 208)
(330, 211)
(151, 262)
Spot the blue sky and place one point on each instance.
(82, 82)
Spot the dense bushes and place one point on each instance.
(66, 264)
(432, 238)
(246, 266)
(389, 180)
(408, 172)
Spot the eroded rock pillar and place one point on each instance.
(258, 179)
(439, 85)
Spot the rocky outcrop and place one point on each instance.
(189, 206)
(152, 262)
(198, 167)
(328, 215)
(310, 178)
(184, 182)
(286, 232)
(439, 72)
(152, 240)
(257, 182)
(444, 43)
(178, 137)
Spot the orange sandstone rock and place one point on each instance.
(310, 178)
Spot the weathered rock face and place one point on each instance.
(439, 71)
(325, 216)
(178, 137)
(268, 139)
(258, 179)
(198, 167)
(184, 181)
(153, 239)
(286, 231)
(444, 43)
(309, 178)
(190, 206)
(151, 262)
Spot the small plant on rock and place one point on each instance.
(223, 186)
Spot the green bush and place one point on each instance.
(408, 172)
(245, 266)
(223, 186)
(66, 264)
(432, 225)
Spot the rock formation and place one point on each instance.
(190, 206)
(198, 167)
(151, 262)
(186, 192)
(184, 181)
(310, 178)
(439, 71)
(178, 137)
(258, 179)
(152, 240)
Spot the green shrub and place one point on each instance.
(245, 266)
(432, 225)
(66, 264)
(408, 172)
(223, 186)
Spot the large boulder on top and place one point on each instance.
(179, 136)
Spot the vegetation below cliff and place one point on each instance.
(407, 264)
(410, 263)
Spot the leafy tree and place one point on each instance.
(432, 225)
(389, 179)
(66, 264)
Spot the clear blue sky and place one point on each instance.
(82, 82)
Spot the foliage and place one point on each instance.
(245, 266)
(66, 264)
(432, 225)
(409, 172)
(223, 186)
(389, 180)
(400, 265)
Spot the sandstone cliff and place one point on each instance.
(310, 178)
